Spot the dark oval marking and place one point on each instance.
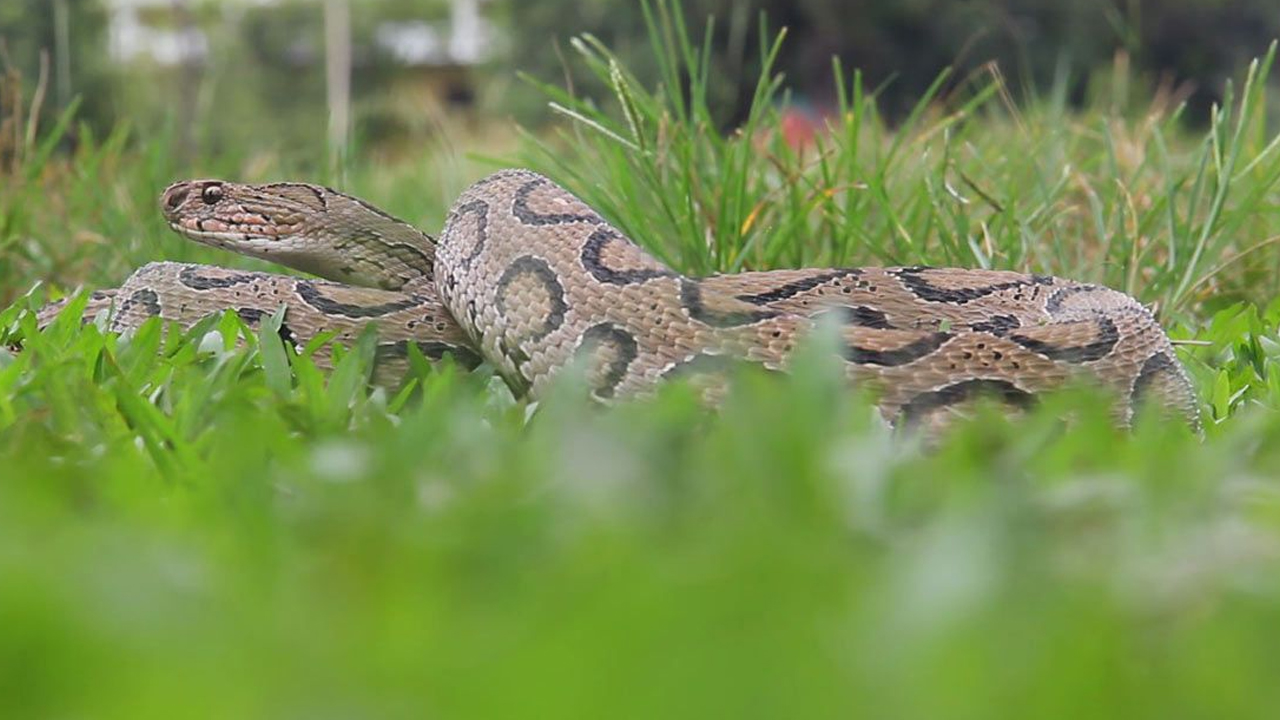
(148, 299)
(1108, 336)
(795, 287)
(311, 295)
(430, 349)
(1054, 304)
(520, 208)
(998, 325)
(539, 269)
(857, 316)
(926, 402)
(925, 290)
(623, 342)
(900, 356)
(480, 209)
(592, 261)
(691, 299)
(253, 318)
(1156, 366)
(191, 276)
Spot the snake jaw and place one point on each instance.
(234, 240)
(284, 248)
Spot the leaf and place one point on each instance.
(274, 357)
(351, 373)
(1221, 397)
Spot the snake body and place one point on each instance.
(528, 277)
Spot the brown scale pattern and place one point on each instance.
(925, 338)
(531, 278)
(186, 293)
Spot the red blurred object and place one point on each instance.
(801, 124)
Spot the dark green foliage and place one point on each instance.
(1189, 47)
(62, 42)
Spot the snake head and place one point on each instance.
(287, 223)
(307, 227)
(241, 217)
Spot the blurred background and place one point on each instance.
(290, 76)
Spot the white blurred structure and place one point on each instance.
(466, 38)
(129, 39)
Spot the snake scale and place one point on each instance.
(529, 278)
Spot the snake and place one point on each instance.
(529, 279)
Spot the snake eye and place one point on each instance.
(211, 194)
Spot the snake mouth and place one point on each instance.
(228, 239)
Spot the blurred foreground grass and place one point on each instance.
(191, 529)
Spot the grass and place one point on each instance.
(190, 526)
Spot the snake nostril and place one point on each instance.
(173, 197)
